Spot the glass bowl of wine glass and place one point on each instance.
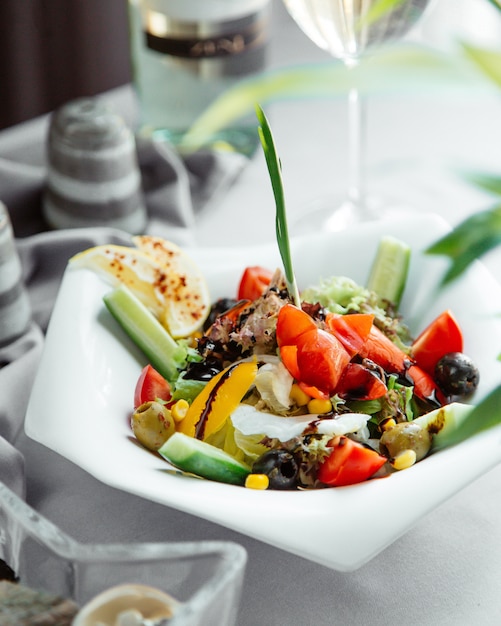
(348, 30)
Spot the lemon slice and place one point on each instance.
(186, 291)
(174, 291)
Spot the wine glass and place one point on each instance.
(347, 29)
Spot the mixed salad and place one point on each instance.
(277, 389)
(272, 395)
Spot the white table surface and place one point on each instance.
(446, 570)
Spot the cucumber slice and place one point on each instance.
(162, 351)
(389, 270)
(203, 459)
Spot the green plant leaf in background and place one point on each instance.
(400, 68)
(488, 182)
(468, 241)
(496, 3)
(481, 232)
(487, 61)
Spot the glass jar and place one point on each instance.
(186, 53)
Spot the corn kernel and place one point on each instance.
(179, 410)
(299, 396)
(386, 424)
(404, 460)
(257, 481)
(318, 406)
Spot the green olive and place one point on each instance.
(152, 424)
(406, 436)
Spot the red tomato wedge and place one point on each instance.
(384, 352)
(424, 385)
(360, 383)
(349, 463)
(292, 322)
(321, 359)
(254, 282)
(288, 354)
(150, 386)
(440, 337)
(352, 330)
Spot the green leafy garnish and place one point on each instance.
(275, 171)
(470, 240)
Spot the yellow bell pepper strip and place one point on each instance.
(217, 400)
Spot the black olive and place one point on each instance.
(456, 374)
(281, 468)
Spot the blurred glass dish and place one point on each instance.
(204, 577)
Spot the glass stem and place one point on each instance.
(357, 121)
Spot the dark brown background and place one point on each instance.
(52, 51)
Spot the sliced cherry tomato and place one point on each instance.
(150, 386)
(384, 352)
(349, 463)
(352, 330)
(291, 323)
(424, 385)
(321, 359)
(254, 282)
(360, 383)
(440, 337)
